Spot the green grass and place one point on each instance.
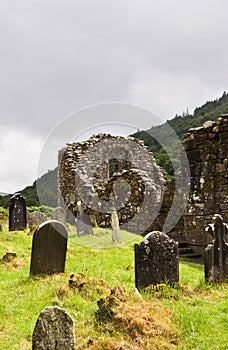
(200, 311)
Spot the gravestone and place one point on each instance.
(156, 260)
(17, 213)
(59, 214)
(49, 248)
(71, 213)
(35, 219)
(216, 253)
(83, 222)
(54, 330)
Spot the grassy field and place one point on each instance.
(191, 316)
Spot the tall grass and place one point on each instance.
(200, 311)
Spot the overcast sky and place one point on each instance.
(61, 56)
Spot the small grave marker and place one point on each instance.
(35, 219)
(54, 330)
(49, 248)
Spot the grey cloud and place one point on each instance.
(59, 56)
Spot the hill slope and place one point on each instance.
(47, 186)
(211, 110)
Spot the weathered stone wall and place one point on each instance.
(207, 151)
(137, 182)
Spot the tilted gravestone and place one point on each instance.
(54, 330)
(35, 219)
(17, 213)
(156, 260)
(216, 253)
(49, 248)
(59, 214)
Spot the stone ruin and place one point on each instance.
(111, 173)
(207, 151)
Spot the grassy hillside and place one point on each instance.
(192, 315)
(47, 187)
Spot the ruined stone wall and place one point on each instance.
(135, 189)
(207, 151)
(84, 167)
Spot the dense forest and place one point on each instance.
(211, 110)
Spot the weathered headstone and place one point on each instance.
(35, 219)
(49, 248)
(216, 253)
(17, 213)
(83, 222)
(71, 213)
(156, 260)
(54, 330)
(115, 227)
(59, 214)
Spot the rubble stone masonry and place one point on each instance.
(207, 151)
(112, 173)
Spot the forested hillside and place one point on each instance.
(211, 110)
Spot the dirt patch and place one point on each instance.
(12, 261)
(88, 287)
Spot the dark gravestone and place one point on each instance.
(49, 248)
(71, 213)
(17, 213)
(216, 253)
(83, 222)
(54, 330)
(156, 260)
